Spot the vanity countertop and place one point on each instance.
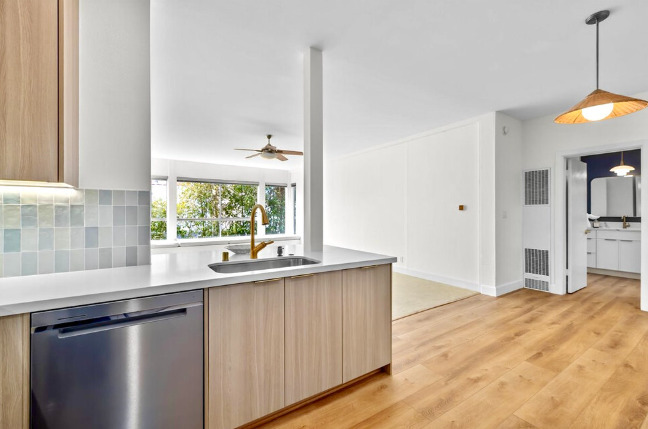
(618, 229)
(168, 272)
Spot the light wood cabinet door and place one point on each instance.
(245, 367)
(39, 90)
(366, 321)
(14, 372)
(630, 256)
(313, 334)
(29, 88)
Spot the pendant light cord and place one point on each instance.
(597, 54)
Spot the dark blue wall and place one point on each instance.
(599, 166)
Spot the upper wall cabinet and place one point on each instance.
(39, 90)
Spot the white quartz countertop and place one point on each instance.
(168, 272)
(618, 229)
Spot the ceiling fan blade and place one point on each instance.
(290, 152)
(280, 157)
(250, 150)
(253, 155)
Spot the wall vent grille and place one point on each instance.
(536, 284)
(536, 187)
(536, 261)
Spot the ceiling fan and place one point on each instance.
(271, 152)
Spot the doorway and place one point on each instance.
(602, 216)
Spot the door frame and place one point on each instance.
(560, 219)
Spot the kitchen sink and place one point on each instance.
(261, 264)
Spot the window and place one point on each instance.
(207, 209)
(158, 209)
(294, 207)
(275, 201)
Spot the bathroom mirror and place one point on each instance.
(616, 196)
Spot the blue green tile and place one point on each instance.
(29, 265)
(45, 238)
(61, 216)
(29, 216)
(12, 240)
(105, 198)
(11, 197)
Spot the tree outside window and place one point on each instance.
(158, 209)
(275, 196)
(214, 209)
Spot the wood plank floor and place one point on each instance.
(525, 360)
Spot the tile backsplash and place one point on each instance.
(46, 230)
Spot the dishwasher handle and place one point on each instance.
(94, 327)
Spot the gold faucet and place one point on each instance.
(254, 250)
(625, 224)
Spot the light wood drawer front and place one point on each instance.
(620, 235)
(313, 334)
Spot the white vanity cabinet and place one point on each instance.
(618, 250)
(607, 254)
(630, 256)
(591, 250)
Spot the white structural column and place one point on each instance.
(313, 151)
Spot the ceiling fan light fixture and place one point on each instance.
(268, 155)
(599, 104)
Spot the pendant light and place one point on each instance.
(622, 169)
(600, 104)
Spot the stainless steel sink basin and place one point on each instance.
(261, 264)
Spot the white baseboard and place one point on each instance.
(502, 289)
(436, 278)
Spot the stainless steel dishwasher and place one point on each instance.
(132, 364)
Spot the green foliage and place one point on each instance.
(201, 205)
(207, 201)
(158, 227)
(276, 209)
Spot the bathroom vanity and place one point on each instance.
(614, 250)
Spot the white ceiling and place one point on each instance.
(225, 73)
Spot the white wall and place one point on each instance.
(402, 199)
(365, 201)
(114, 85)
(544, 145)
(508, 196)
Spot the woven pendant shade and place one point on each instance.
(622, 106)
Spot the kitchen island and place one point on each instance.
(274, 339)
